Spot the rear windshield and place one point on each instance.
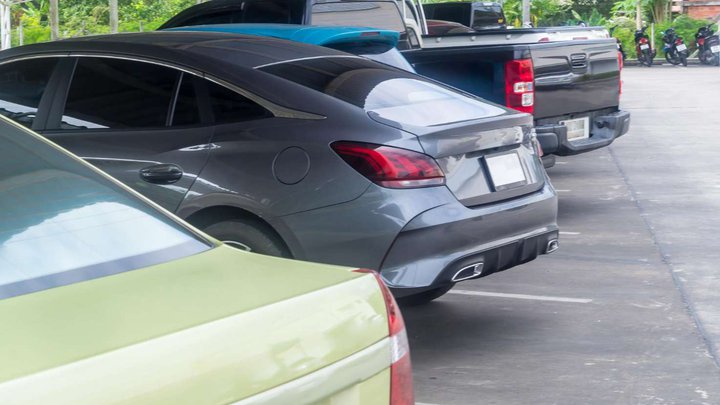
(376, 14)
(487, 16)
(387, 94)
(62, 223)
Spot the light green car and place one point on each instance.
(105, 298)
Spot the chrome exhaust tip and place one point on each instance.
(552, 246)
(468, 272)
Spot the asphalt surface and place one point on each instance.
(628, 310)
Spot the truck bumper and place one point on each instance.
(605, 129)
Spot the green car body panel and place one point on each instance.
(207, 329)
(219, 326)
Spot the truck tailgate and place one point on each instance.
(575, 76)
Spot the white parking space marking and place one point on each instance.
(423, 403)
(569, 233)
(521, 296)
(563, 191)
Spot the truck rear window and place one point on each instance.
(376, 14)
(385, 93)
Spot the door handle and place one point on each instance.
(165, 173)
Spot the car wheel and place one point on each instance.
(425, 296)
(248, 235)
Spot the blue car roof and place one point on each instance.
(309, 34)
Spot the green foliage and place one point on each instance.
(593, 19)
(87, 17)
(544, 13)
(686, 27)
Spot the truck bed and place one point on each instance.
(562, 86)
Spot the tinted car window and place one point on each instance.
(113, 93)
(186, 111)
(377, 14)
(385, 93)
(229, 106)
(22, 85)
(61, 222)
(488, 16)
(226, 17)
(249, 11)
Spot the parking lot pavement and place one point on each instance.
(627, 311)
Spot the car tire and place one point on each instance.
(248, 235)
(425, 296)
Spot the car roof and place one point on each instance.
(315, 35)
(200, 50)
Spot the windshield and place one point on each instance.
(62, 223)
(386, 94)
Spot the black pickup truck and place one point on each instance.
(572, 87)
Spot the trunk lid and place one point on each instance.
(224, 325)
(484, 160)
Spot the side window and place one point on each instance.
(22, 85)
(229, 106)
(225, 17)
(118, 94)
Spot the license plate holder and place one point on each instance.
(506, 171)
(644, 46)
(715, 49)
(577, 129)
(681, 47)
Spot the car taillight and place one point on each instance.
(401, 382)
(620, 68)
(520, 85)
(391, 167)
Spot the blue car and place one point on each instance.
(372, 43)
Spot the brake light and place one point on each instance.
(701, 41)
(643, 40)
(401, 383)
(678, 41)
(520, 85)
(391, 167)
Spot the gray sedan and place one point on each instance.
(299, 151)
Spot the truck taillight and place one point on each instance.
(520, 85)
(401, 382)
(391, 167)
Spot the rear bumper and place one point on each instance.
(605, 129)
(438, 243)
(416, 238)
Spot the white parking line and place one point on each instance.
(562, 191)
(521, 296)
(423, 403)
(569, 233)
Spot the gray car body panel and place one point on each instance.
(331, 213)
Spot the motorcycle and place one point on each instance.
(708, 46)
(644, 51)
(676, 52)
